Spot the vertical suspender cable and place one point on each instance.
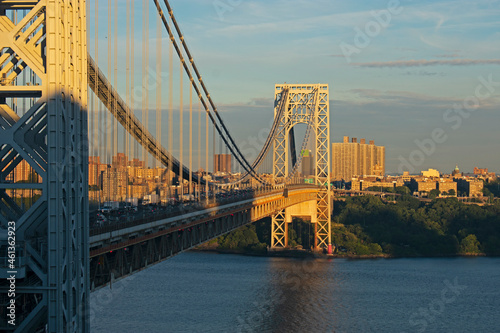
(95, 138)
(158, 88)
(213, 160)
(90, 98)
(190, 136)
(199, 146)
(109, 116)
(146, 66)
(145, 56)
(181, 116)
(133, 142)
(207, 139)
(143, 93)
(170, 112)
(127, 80)
(115, 61)
(213, 151)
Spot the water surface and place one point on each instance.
(207, 292)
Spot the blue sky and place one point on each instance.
(399, 86)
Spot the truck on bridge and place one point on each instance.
(151, 199)
(110, 206)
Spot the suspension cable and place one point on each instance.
(205, 90)
(234, 149)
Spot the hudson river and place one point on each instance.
(207, 292)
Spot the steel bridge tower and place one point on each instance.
(306, 104)
(43, 121)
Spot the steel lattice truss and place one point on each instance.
(279, 230)
(52, 288)
(306, 104)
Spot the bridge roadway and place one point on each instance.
(119, 251)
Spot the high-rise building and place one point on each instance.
(120, 160)
(307, 163)
(222, 163)
(94, 162)
(350, 159)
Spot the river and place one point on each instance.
(208, 292)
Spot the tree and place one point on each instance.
(433, 194)
(402, 190)
(493, 187)
(452, 192)
(375, 189)
(470, 244)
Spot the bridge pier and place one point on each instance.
(282, 220)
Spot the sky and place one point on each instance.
(421, 78)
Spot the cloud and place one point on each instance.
(297, 23)
(397, 98)
(448, 55)
(261, 102)
(419, 63)
(423, 73)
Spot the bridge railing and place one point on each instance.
(178, 210)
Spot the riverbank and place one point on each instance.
(366, 228)
(299, 254)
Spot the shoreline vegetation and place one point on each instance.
(291, 253)
(367, 228)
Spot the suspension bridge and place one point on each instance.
(83, 128)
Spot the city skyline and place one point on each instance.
(137, 162)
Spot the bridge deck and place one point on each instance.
(123, 250)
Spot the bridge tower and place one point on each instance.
(307, 104)
(44, 164)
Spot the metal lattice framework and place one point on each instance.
(52, 282)
(306, 104)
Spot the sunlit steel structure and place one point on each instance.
(303, 104)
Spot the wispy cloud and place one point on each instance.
(424, 73)
(448, 55)
(419, 63)
(398, 98)
(294, 24)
